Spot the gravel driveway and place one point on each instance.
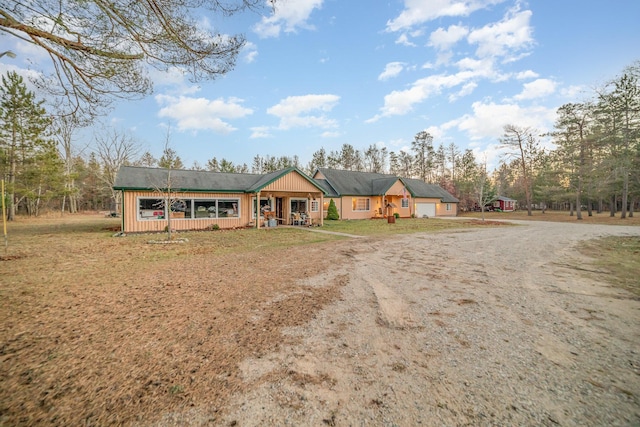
(490, 327)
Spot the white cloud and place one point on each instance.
(250, 56)
(400, 102)
(249, 52)
(404, 40)
(444, 39)
(330, 134)
(511, 34)
(289, 15)
(260, 132)
(32, 51)
(480, 67)
(492, 154)
(488, 119)
(173, 77)
(392, 69)
(467, 89)
(528, 74)
(574, 92)
(293, 111)
(201, 113)
(417, 12)
(537, 89)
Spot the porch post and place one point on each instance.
(257, 209)
(321, 209)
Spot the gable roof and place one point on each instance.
(419, 188)
(353, 183)
(505, 199)
(141, 178)
(329, 191)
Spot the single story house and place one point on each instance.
(201, 199)
(360, 195)
(505, 204)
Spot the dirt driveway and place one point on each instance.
(494, 326)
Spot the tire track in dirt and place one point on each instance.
(477, 327)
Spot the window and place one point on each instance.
(298, 205)
(150, 209)
(315, 206)
(205, 208)
(228, 208)
(265, 205)
(405, 202)
(448, 206)
(153, 209)
(360, 204)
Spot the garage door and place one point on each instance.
(425, 209)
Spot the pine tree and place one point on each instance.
(332, 211)
(23, 136)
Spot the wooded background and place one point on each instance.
(595, 164)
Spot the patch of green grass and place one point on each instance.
(370, 227)
(619, 257)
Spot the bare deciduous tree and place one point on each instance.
(66, 127)
(523, 144)
(483, 188)
(114, 148)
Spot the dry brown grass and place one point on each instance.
(557, 216)
(99, 330)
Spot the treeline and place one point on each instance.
(595, 165)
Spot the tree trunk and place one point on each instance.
(612, 206)
(578, 207)
(589, 207)
(631, 206)
(168, 210)
(625, 194)
(73, 198)
(570, 208)
(12, 182)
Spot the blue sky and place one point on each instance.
(322, 73)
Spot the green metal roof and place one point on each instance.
(141, 178)
(419, 188)
(353, 183)
(337, 183)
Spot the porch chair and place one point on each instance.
(296, 220)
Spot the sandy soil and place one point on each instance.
(495, 326)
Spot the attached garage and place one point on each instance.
(425, 209)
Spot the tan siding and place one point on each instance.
(396, 189)
(291, 182)
(403, 212)
(133, 225)
(441, 208)
(347, 209)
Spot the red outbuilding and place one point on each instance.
(505, 204)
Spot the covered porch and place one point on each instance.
(288, 208)
(290, 198)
